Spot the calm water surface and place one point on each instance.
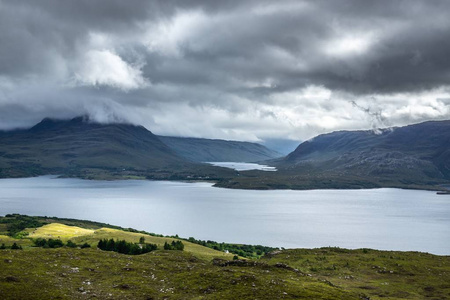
(239, 166)
(391, 219)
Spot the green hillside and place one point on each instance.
(82, 148)
(198, 272)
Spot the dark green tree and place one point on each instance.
(16, 247)
(71, 244)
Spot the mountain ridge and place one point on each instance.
(81, 148)
(413, 156)
(217, 150)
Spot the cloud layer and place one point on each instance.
(245, 70)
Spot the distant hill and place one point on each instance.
(79, 146)
(211, 150)
(410, 152)
(414, 156)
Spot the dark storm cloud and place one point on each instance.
(289, 68)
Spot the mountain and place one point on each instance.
(83, 148)
(412, 152)
(414, 156)
(209, 150)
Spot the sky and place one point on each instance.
(241, 70)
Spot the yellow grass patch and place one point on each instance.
(81, 235)
(197, 250)
(6, 239)
(61, 231)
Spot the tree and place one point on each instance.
(175, 245)
(2, 247)
(142, 240)
(71, 244)
(55, 243)
(167, 246)
(16, 247)
(110, 245)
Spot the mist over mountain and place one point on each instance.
(283, 146)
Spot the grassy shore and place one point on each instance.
(203, 273)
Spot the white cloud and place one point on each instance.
(105, 68)
(167, 36)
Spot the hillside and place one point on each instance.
(82, 148)
(213, 150)
(410, 152)
(198, 272)
(414, 156)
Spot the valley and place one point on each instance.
(414, 157)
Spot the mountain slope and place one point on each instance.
(410, 152)
(414, 156)
(58, 145)
(209, 150)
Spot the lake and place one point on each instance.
(389, 219)
(240, 166)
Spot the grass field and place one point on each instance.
(80, 235)
(202, 273)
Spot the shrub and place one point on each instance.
(71, 244)
(175, 245)
(16, 247)
(85, 245)
(50, 243)
(125, 247)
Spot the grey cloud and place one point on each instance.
(230, 58)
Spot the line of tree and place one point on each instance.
(250, 251)
(50, 243)
(175, 245)
(17, 223)
(13, 247)
(57, 243)
(124, 247)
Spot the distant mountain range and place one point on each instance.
(411, 156)
(415, 156)
(415, 151)
(212, 150)
(83, 148)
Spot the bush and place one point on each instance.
(2, 247)
(16, 247)
(242, 250)
(175, 245)
(50, 243)
(85, 245)
(71, 244)
(125, 247)
(21, 234)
